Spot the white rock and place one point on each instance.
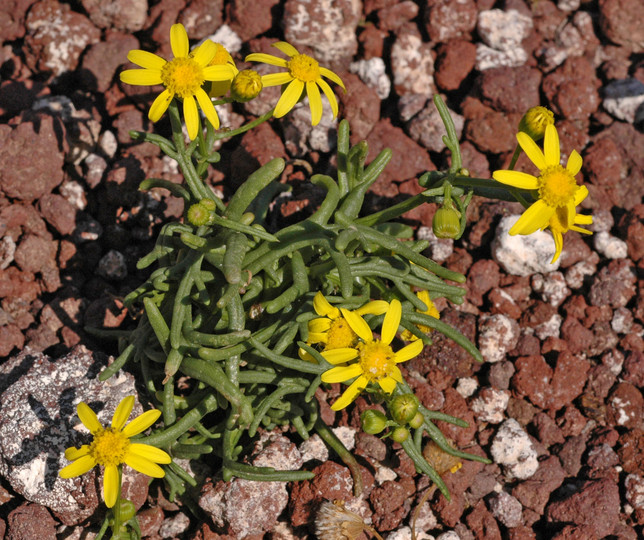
(610, 246)
(634, 484)
(449, 535)
(490, 405)
(108, 143)
(623, 97)
(300, 136)
(507, 509)
(568, 5)
(412, 64)
(174, 526)
(227, 37)
(374, 74)
(498, 334)
(614, 361)
(521, 255)
(347, 435)
(552, 288)
(404, 533)
(513, 450)
(384, 474)
(314, 449)
(503, 30)
(7, 251)
(440, 248)
(487, 57)
(622, 320)
(603, 221)
(550, 328)
(466, 386)
(576, 273)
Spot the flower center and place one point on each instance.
(182, 76)
(109, 447)
(304, 68)
(557, 186)
(340, 335)
(376, 359)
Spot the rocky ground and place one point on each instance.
(558, 404)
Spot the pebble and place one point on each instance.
(502, 33)
(623, 97)
(440, 249)
(610, 246)
(514, 451)
(112, 265)
(576, 273)
(466, 386)
(427, 128)
(507, 509)
(404, 533)
(549, 328)
(314, 449)
(300, 137)
(412, 64)
(552, 288)
(174, 526)
(227, 37)
(522, 255)
(374, 74)
(490, 405)
(498, 334)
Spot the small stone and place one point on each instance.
(552, 288)
(227, 37)
(112, 266)
(498, 334)
(507, 509)
(622, 98)
(412, 64)
(535, 492)
(490, 404)
(614, 285)
(522, 255)
(513, 450)
(174, 526)
(314, 448)
(577, 272)
(445, 19)
(634, 485)
(127, 15)
(466, 386)
(440, 249)
(248, 18)
(610, 246)
(300, 136)
(619, 21)
(454, 62)
(626, 406)
(373, 74)
(427, 128)
(622, 320)
(503, 30)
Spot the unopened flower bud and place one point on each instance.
(373, 422)
(246, 85)
(534, 122)
(199, 214)
(403, 408)
(400, 434)
(127, 510)
(208, 204)
(417, 420)
(447, 222)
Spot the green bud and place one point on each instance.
(373, 421)
(417, 420)
(199, 214)
(246, 85)
(447, 221)
(208, 204)
(403, 408)
(127, 510)
(400, 434)
(534, 122)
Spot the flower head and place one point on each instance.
(335, 522)
(431, 310)
(559, 225)
(183, 77)
(222, 58)
(376, 360)
(304, 74)
(331, 329)
(111, 447)
(535, 120)
(556, 188)
(246, 85)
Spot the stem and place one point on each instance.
(244, 128)
(515, 157)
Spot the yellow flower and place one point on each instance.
(557, 189)
(377, 362)
(246, 85)
(304, 73)
(182, 77)
(111, 447)
(222, 58)
(431, 310)
(332, 329)
(559, 225)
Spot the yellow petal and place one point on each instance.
(339, 356)
(358, 325)
(532, 150)
(391, 322)
(534, 218)
(409, 351)
(330, 75)
(160, 105)
(396, 375)
(320, 325)
(516, 179)
(146, 59)
(141, 423)
(88, 417)
(375, 307)
(341, 374)
(276, 79)
(551, 149)
(330, 96)
(581, 219)
(581, 194)
(141, 77)
(267, 59)
(191, 116)
(289, 98)
(80, 466)
(207, 107)
(149, 452)
(72, 454)
(351, 393)
(388, 384)
(122, 412)
(179, 41)
(318, 337)
(322, 307)
(205, 53)
(111, 485)
(219, 73)
(286, 48)
(574, 163)
(144, 466)
(558, 238)
(315, 102)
